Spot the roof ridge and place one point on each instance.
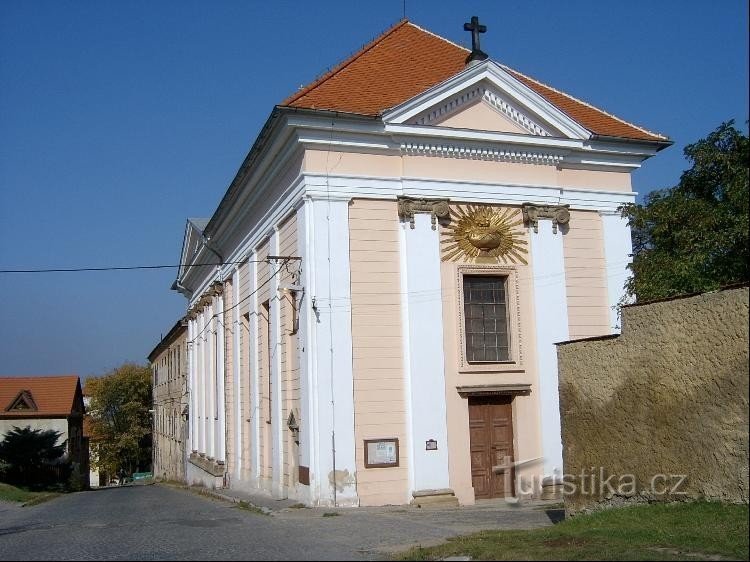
(438, 36)
(346, 62)
(16, 377)
(582, 102)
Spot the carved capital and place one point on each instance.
(558, 214)
(216, 289)
(438, 209)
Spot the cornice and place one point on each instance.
(322, 186)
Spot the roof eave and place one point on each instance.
(270, 126)
(244, 168)
(167, 340)
(659, 144)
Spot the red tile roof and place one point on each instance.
(53, 396)
(406, 60)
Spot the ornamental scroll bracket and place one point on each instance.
(214, 290)
(438, 209)
(559, 214)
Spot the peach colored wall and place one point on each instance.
(323, 161)
(246, 378)
(586, 276)
(263, 294)
(394, 166)
(377, 347)
(290, 378)
(244, 281)
(229, 383)
(583, 179)
(245, 375)
(481, 117)
(526, 421)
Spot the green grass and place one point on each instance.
(678, 531)
(21, 495)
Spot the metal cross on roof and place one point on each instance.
(476, 28)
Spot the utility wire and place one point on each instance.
(123, 268)
(239, 302)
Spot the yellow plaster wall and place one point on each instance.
(585, 275)
(377, 347)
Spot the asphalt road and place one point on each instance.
(162, 523)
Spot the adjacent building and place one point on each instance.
(169, 367)
(48, 403)
(374, 305)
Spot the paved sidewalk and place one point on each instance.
(271, 506)
(377, 531)
(163, 522)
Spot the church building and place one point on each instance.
(374, 305)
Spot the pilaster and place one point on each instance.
(329, 308)
(277, 421)
(551, 319)
(618, 254)
(423, 341)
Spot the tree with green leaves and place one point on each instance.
(693, 237)
(28, 455)
(120, 419)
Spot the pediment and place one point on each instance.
(191, 242)
(482, 108)
(486, 98)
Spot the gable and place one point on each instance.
(480, 116)
(483, 107)
(486, 97)
(191, 242)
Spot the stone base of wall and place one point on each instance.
(205, 471)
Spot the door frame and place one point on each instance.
(489, 396)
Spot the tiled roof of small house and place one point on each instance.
(37, 396)
(406, 60)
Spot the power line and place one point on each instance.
(242, 300)
(125, 268)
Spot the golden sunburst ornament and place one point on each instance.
(484, 234)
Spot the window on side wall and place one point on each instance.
(485, 319)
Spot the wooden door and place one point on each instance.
(491, 441)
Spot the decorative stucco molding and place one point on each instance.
(502, 105)
(484, 232)
(467, 152)
(491, 97)
(215, 289)
(494, 389)
(559, 214)
(438, 209)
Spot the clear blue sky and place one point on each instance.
(118, 120)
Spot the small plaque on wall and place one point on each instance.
(381, 453)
